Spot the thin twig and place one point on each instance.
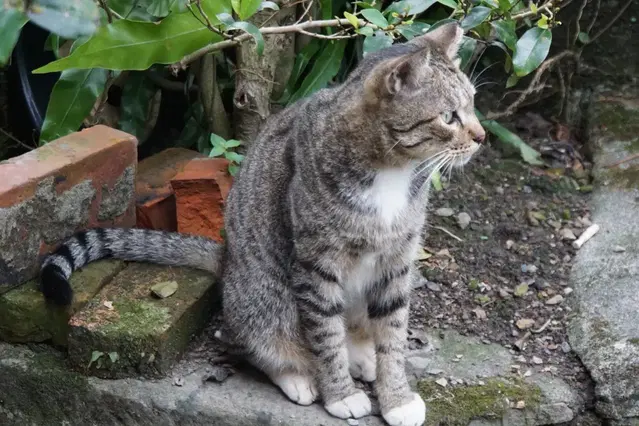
(625, 160)
(612, 21)
(327, 37)
(532, 87)
(580, 13)
(594, 17)
(16, 140)
(543, 327)
(441, 228)
(306, 12)
(545, 7)
(107, 10)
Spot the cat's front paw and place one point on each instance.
(353, 406)
(412, 413)
(298, 388)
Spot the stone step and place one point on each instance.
(127, 331)
(25, 317)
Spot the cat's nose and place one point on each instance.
(478, 135)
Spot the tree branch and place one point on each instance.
(545, 7)
(612, 21)
(295, 28)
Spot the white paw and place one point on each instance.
(353, 406)
(298, 388)
(362, 360)
(411, 414)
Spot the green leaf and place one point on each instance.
(505, 30)
(217, 151)
(95, 355)
(410, 7)
(477, 15)
(137, 93)
(11, 23)
(232, 143)
(253, 31)
(436, 180)
(71, 101)
(160, 8)
(114, 357)
(234, 157)
(268, 5)
(68, 19)
(377, 42)
(543, 22)
(512, 80)
(531, 50)
(375, 17)
(324, 69)
(413, 30)
(504, 5)
(352, 19)
(583, 37)
(133, 45)
(137, 10)
(529, 155)
(366, 31)
(217, 141)
(466, 50)
(245, 8)
(450, 3)
(233, 169)
(301, 61)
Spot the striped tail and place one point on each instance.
(138, 245)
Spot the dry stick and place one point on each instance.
(543, 327)
(532, 86)
(441, 228)
(612, 21)
(577, 24)
(625, 160)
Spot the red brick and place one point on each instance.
(82, 180)
(200, 191)
(155, 202)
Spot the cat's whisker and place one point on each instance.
(437, 161)
(425, 164)
(485, 83)
(475, 78)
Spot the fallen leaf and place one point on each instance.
(164, 289)
(442, 382)
(521, 290)
(423, 254)
(108, 304)
(481, 314)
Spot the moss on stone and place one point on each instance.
(621, 121)
(459, 405)
(25, 317)
(634, 341)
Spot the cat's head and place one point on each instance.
(424, 103)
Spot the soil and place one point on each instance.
(517, 216)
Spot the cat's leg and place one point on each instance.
(264, 330)
(388, 312)
(360, 344)
(321, 308)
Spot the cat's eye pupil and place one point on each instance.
(448, 117)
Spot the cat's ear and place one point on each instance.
(401, 74)
(447, 37)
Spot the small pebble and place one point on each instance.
(509, 244)
(463, 220)
(565, 347)
(567, 291)
(352, 422)
(520, 405)
(525, 323)
(442, 382)
(618, 249)
(537, 360)
(433, 286)
(444, 212)
(567, 234)
(555, 300)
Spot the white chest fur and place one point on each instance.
(389, 194)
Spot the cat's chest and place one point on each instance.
(389, 194)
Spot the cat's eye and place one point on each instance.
(448, 116)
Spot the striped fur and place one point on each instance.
(323, 223)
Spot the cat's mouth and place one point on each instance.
(462, 156)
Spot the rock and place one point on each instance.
(509, 244)
(442, 382)
(520, 405)
(200, 190)
(463, 220)
(164, 289)
(26, 318)
(432, 286)
(155, 201)
(85, 179)
(536, 360)
(567, 234)
(567, 291)
(565, 347)
(146, 333)
(352, 422)
(444, 212)
(480, 313)
(619, 249)
(525, 323)
(555, 300)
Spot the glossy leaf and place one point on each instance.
(413, 30)
(375, 17)
(133, 45)
(583, 37)
(528, 154)
(450, 3)
(137, 94)
(233, 156)
(68, 19)
(505, 31)
(71, 101)
(11, 23)
(326, 66)
(376, 42)
(268, 5)
(466, 50)
(410, 7)
(512, 80)
(252, 30)
(477, 15)
(135, 10)
(504, 5)
(245, 8)
(531, 50)
(301, 61)
(160, 8)
(352, 19)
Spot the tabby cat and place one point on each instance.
(323, 223)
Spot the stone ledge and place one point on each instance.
(134, 332)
